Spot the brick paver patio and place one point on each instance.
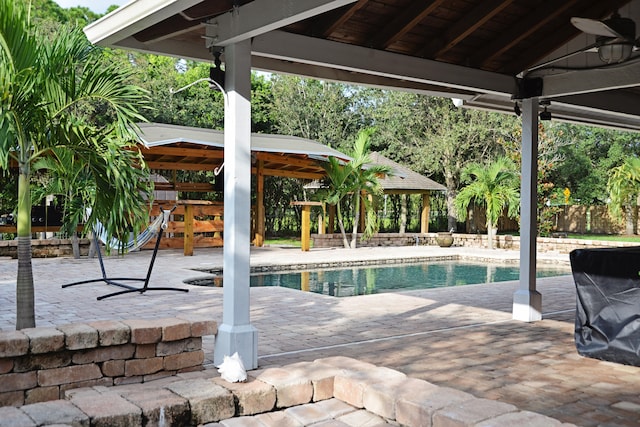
(461, 337)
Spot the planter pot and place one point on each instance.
(444, 239)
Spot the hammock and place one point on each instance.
(155, 229)
(138, 241)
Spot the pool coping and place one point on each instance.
(216, 272)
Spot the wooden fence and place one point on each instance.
(576, 219)
(193, 224)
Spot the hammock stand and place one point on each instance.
(116, 281)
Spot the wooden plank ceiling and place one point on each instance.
(503, 36)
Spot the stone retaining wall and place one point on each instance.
(45, 248)
(346, 390)
(544, 244)
(41, 364)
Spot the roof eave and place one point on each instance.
(131, 18)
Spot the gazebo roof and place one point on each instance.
(172, 147)
(403, 179)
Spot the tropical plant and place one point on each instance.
(357, 179)
(62, 96)
(624, 187)
(494, 187)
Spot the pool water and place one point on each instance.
(379, 279)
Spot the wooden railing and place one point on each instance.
(193, 224)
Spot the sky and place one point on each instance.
(98, 6)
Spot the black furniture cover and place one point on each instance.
(608, 303)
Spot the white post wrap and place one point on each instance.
(236, 334)
(527, 301)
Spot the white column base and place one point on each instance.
(527, 305)
(243, 339)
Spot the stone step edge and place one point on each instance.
(203, 397)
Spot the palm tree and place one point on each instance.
(358, 178)
(624, 186)
(493, 186)
(50, 95)
(365, 176)
(336, 188)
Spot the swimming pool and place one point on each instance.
(379, 279)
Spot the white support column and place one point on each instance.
(527, 301)
(236, 332)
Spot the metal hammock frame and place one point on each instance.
(156, 228)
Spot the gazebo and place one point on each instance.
(172, 148)
(405, 181)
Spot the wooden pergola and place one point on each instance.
(172, 148)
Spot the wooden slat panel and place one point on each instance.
(184, 186)
(178, 242)
(198, 211)
(199, 226)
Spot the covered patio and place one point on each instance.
(524, 58)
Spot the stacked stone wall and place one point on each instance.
(41, 364)
(45, 248)
(544, 244)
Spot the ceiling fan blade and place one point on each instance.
(592, 26)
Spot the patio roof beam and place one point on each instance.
(261, 16)
(356, 59)
(594, 80)
(182, 166)
(215, 153)
(291, 174)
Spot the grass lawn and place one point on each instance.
(284, 241)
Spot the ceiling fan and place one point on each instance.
(615, 37)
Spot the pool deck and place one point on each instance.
(462, 337)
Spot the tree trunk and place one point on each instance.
(403, 213)
(75, 245)
(490, 234)
(345, 242)
(628, 210)
(25, 307)
(356, 220)
(452, 220)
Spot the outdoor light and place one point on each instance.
(216, 74)
(613, 53)
(545, 115)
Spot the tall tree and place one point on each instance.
(494, 187)
(434, 137)
(313, 109)
(62, 96)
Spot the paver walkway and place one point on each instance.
(462, 337)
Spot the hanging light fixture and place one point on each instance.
(545, 115)
(615, 52)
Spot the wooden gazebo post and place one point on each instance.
(305, 237)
